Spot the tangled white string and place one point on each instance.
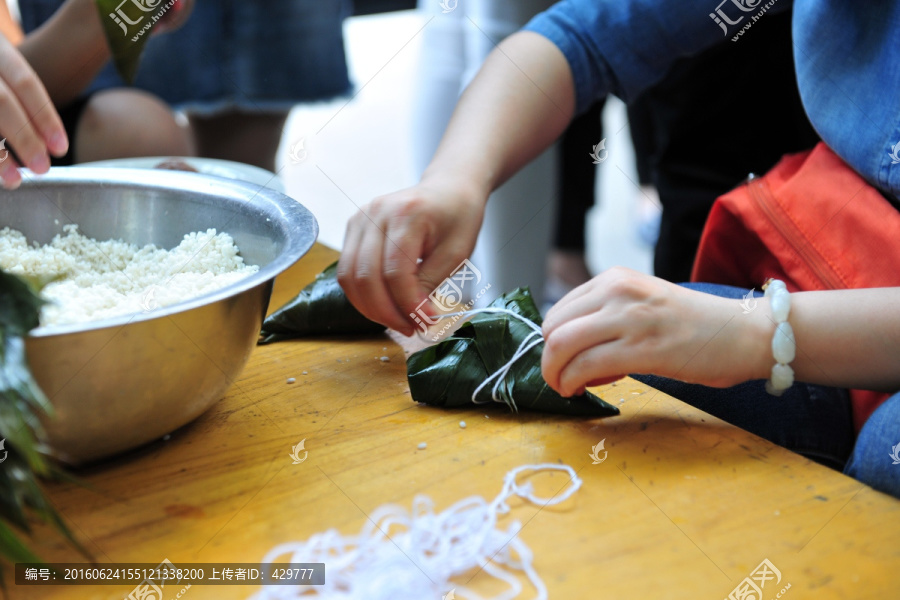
(402, 555)
(533, 339)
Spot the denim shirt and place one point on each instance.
(846, 55)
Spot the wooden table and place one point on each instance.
(685, 506)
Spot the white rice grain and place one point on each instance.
(100, 280)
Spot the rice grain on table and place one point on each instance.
(99, 280)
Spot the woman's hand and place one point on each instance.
(521, 100)
(379, 269)
(29, 122)
(625, 322)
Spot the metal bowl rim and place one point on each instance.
(296, 216)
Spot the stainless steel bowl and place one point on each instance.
(118, 383)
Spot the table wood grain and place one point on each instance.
(685, 506)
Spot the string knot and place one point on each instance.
(535, 338)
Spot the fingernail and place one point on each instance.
(59, 143)
(39, 163)
(9, 174)
(12, 181)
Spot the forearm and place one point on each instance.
(521, 100)
(844, 338)
(68, 50)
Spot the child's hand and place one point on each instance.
(625, 322)
(379, 269)
(29, 122)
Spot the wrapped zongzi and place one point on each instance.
(321, 308)
(450, 372)
(128, 27)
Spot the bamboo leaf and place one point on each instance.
(13, 549)
(23, 458)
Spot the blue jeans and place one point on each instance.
(812, 420)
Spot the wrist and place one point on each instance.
(759, 327)
(462, 169)
(462, 189)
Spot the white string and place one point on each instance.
(400, 555)
(500, 374)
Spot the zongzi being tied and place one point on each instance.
(450, 372)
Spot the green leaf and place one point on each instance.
(321, 308)
(12, 548)
(23, 457)
(448, 373)
(21, 401)
(20, 304)
(124, 24)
